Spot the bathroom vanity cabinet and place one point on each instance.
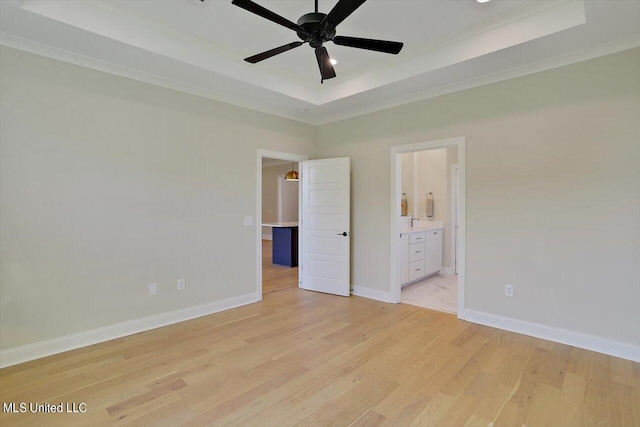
(420, 254)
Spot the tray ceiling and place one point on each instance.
(198, 47)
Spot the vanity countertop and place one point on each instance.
(280, 224)
(419, 225)
(411, 230)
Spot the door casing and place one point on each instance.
(396, 192)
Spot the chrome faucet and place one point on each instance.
(413, 219)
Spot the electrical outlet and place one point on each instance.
(153, 289)
(508, 291)
(181, 284)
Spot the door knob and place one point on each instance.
(343, 234)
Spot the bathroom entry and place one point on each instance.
(427, 221)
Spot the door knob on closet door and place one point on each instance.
(343, 234)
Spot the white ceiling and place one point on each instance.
(199, 47)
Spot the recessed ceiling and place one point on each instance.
(198, 47)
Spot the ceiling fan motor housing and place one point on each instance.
(317, 28)
(319, 33)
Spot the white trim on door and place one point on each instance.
(394, 243)
(258, 223)
(453, 219)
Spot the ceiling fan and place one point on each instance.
(317, 28)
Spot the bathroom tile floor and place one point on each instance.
(436, 293)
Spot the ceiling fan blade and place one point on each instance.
(369, 44)
(324, 62)
(341, 10)
(273, 52)
(267, 14)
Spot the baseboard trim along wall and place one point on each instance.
(563, 336)
(447, 271)
(25, 353)
(359, 291)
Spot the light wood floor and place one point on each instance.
(304, 358)
(275, 277)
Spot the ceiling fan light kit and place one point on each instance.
(316, 29)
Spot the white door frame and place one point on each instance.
(396, 192)
(453, 214)
(280, 156)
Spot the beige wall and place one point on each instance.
(553, 179)
(108, 185)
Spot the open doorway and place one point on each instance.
(427, 225)
(277, 213)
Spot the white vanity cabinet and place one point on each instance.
(433, 261)
(420, 254)
(416, 255)
(403, 270)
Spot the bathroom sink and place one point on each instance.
(428, 225)
(425, 225)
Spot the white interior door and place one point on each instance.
(326, 232)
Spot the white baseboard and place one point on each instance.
(267, 237)
(28, 352)
(447, 271)
(577, 339)
(371, 294)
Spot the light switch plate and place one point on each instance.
(153, 289)
(248, 220)
(508, 291)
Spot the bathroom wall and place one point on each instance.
(430, 171)
(407, 162)
(431, 177)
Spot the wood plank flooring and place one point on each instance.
(276, 277)
(309, 359)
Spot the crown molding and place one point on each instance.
(114, 22)
(527, 25)
(520, 71)
(110, 20)
(37, 48)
